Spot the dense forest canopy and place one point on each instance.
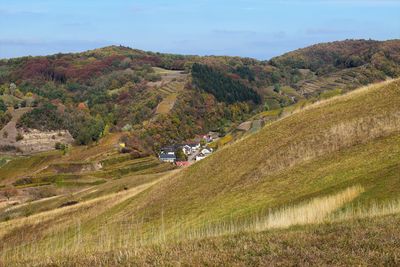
(224, 88)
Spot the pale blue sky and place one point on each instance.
(253, 28)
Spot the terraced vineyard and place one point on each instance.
(345, 80)
(170, 92)
(51, 180)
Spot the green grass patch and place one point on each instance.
(24, 166)
(330, 93)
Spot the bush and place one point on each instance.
(44, 118)
(19, 137)
(59, 146)
(83, 127)
(9, 148)
(3, 106)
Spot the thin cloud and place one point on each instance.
(325, 31)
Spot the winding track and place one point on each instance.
(11, 128)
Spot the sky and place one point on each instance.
(251, 28)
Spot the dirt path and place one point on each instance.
(11, 128)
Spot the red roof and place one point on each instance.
(183, 163)
(82, 106)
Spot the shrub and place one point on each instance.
(10, 192)
(3, 106)
(9, 148)
(83, 127)
(19, 137)
(43, 118)
(59, 146)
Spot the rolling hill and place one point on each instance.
(318, 186)
(163, 98)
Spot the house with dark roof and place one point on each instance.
(169, 149)
(167, 157)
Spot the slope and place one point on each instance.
(345, 148)
(324, 148)
(360, 242)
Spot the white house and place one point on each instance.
(206, 151)
(195, 146)
(187, 150)
(190, 148)
(200, 157)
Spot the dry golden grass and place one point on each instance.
(87, 153)
(166, 104)
(358, 211)
(372, 242)
(87, 209)
(124, 237)
(314, 211)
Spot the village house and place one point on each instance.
(194, 146)
(208, 138)
(200, 157)
(206, 151)
(168, 157)
(168, 153)
(189, 149)
(169, 149)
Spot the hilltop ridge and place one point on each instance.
(117, 88)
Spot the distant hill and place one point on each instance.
(166, 98)
(346, 64)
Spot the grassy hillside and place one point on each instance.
(334, 160)
(325, 148)
(360, 242)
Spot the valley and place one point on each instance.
(120, 157)
(328, 168)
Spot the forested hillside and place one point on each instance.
(346, 65)
(120, 89)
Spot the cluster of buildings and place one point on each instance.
(192, 151)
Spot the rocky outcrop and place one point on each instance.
(37, 141)
(28, 141)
